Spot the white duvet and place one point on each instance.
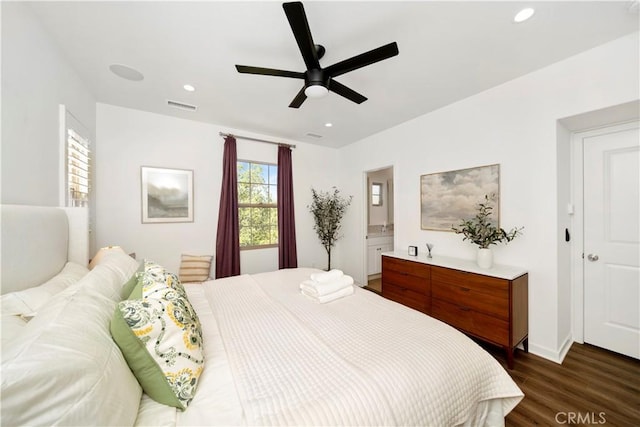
(278, 358)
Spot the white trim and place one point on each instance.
(62, 155)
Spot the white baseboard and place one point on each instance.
(557, 355)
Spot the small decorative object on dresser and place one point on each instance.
(413, 250)
(482, 231)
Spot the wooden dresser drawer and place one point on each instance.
(488, 295)
(407, 267)
(405, 280)
(475, 323)
(406, 296)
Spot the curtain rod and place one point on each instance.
(255, 139)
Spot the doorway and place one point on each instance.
(379, 223)
(608, 267)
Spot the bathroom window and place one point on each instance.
(376, 194)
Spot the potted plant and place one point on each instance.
(328, 210)
(481, 231)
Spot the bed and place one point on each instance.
(271, 357)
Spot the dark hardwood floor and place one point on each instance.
(592, 387)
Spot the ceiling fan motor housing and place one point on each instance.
(315, 77)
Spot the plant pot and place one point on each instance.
(485, 258)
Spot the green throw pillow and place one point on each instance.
(161, 340)
(160, 336)
(128, 287)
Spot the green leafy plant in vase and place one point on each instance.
(481, 230)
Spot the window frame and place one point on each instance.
(379, 194)
(257, 205)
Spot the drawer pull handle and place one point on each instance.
(465, 308)
(465, 289)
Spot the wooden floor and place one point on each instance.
(591, 387)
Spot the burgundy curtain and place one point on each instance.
(228, 238)
(287, 253)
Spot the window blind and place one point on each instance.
(78, 171)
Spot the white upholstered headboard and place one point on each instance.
(37, 241)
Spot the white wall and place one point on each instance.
(128, 139)
(514, 125)
(35, 80)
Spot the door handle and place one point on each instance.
(592, 257)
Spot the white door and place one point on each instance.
(611, 239)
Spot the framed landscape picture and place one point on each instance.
(167, 195)
(446, 198)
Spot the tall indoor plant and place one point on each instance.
(481, 231)
(328, 209)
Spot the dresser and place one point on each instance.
(491, 305)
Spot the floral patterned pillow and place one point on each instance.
(161, 339)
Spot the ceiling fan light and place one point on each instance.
(316, 91)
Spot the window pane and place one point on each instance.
(244, 217)
(244, 193)
(261, 235)
(273, 194)
(245, 236)
(274, 235)
(259, 193)
(243, 171)
(259, 173)
(273, 174)
(273, 216)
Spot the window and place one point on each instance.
(376, 194)
(257, 204)
(75, 161)
(77, 170)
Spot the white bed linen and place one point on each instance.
(274, 357)
(216, 402)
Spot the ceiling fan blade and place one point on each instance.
(348, 93)
(299, 99)
(362, 60)
(300, 27)
(246, 69)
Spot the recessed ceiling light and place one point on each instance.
(189, 88)
(126, 72)
(523, 15)
(328, 124)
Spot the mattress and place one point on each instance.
(275, 357)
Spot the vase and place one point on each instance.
(485, 258)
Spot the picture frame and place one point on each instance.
(413, 250)
(446, 198)
(167, 195)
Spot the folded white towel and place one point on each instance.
(318, 289)
(332, 296)
(327, 276)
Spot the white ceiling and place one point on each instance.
(448, 51)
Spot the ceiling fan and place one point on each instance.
(319, 81)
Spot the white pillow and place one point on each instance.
(17, 307)
(29, 300)
(67, 370)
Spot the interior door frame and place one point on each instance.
(577, 191)
(365, 243)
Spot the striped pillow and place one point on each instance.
(195, 268)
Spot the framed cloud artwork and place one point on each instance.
(167, 195)
(448, 197)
